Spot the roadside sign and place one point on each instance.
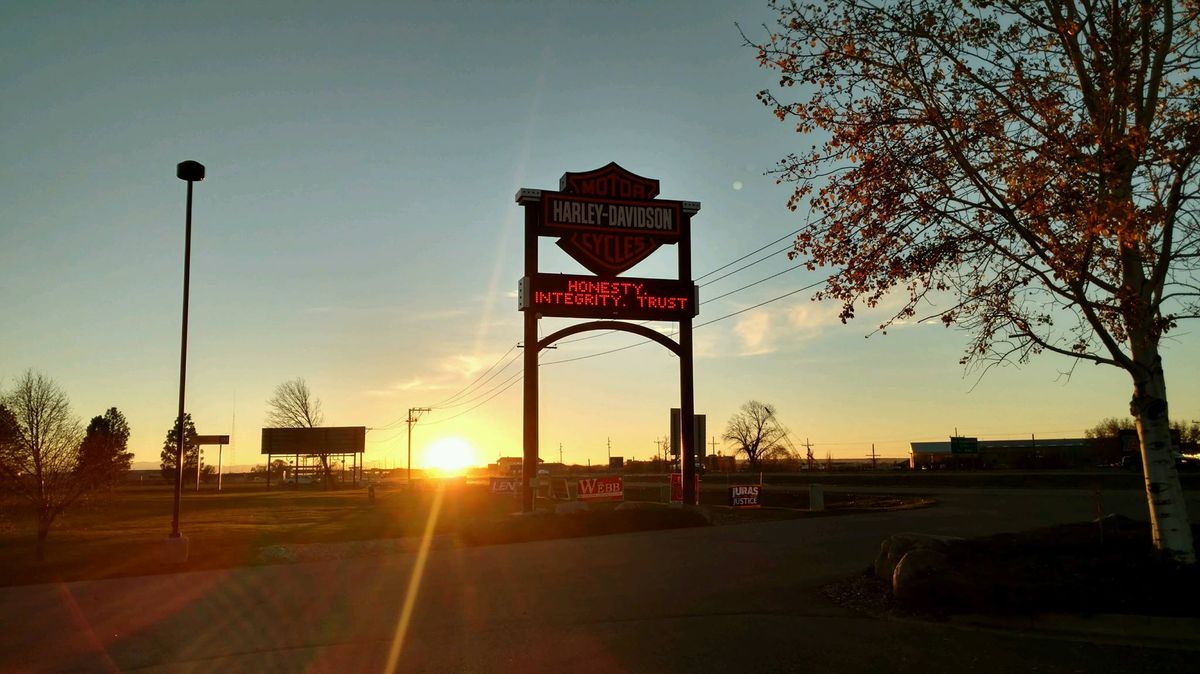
(506, 485)
(607, 488)
(744, 495)
(677, 487)
(212, 439)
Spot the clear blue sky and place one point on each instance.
(358, 228)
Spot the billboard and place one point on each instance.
(321, 440)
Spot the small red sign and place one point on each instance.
(677, 486)
(608, 488)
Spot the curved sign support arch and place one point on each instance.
(635, 328)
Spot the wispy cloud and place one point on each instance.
(754, 329)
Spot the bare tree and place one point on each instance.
(1030, 170)
(295, 406)
(39, 447)
(756, 432)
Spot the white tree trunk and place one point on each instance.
(1169, 522)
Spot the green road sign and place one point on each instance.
(964, 445)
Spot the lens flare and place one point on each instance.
(450, 456)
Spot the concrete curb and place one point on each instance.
(1177, 633)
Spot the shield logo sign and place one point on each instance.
(608, 219)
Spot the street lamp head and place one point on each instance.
(191, 171)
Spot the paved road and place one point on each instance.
(719, 599)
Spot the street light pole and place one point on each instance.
(412, 420)
(189, 171)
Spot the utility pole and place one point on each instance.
(410, 421)
(560, 453)
(808, 446)
(609, 442)
(872, 456)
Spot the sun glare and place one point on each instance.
(450, 456)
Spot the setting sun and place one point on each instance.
(450, 455)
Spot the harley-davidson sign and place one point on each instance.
(608, 219)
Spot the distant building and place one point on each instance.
(508, 466)
(1024, 453)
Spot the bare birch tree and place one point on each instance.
(1028, 168)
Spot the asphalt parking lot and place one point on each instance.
(715, 599)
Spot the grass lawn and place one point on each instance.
(122, 533)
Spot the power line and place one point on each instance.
(511, 381)
(485, 372)
(751, 285)
(760, 304)
(753, 252)
(460, 391)
(764, 258)
(473, 398)
(475, 394)
(520, 376)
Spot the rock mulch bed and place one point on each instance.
(1107, 566)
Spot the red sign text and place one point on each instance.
(586, 296)
(608, 488)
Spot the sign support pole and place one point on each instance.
(530, 434)
(687, 388)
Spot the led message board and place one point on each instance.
(570, 296)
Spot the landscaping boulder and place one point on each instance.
(893, 548)
(923, 579)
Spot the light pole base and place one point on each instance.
(175, 550)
